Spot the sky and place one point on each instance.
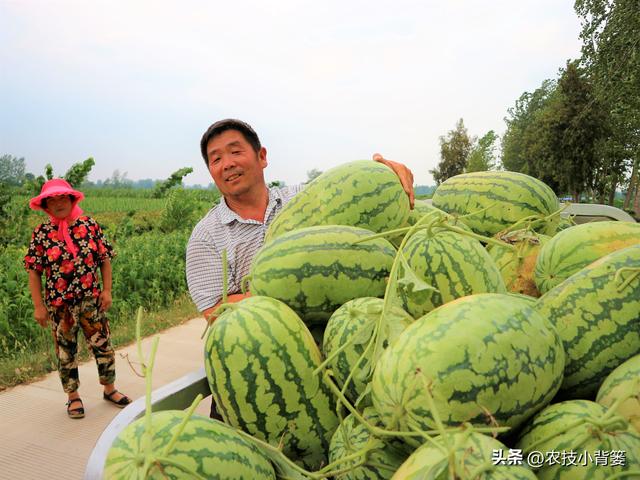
(135, 84)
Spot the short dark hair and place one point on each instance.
(220, 126)
(43, 202)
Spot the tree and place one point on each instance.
(161, 188)
(524, 142)
(454, 152)
(117, 180)
(611, 40)
(578, 124)
(482, 157)
(79, 172)
(312, 174)
(76, 175)
(11, 170)
(48, 171)
(558, 133)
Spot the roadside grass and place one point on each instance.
(28, 366)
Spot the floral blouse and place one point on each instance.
(68, 280)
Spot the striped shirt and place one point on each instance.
(221, 229)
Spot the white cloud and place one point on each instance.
(136, 83)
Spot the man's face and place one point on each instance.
(234, 166)
(59, 206)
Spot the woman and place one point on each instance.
(69, 249)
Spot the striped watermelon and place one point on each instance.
(511, 197)
(586, 429)
(382, 457)
(470, 458)
(422, 208)
(599, 324)
(454, 264)
(353, 324)
(516, 267)
(205, 449)
(624, 381)
(315, 270)
(576, 247)
(259, 359)
(486, 353)
(363, 194)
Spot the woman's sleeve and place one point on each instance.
(105, 250)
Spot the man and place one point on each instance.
(236, 161)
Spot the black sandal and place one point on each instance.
(123, 402)
(75, 412)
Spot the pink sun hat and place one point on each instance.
(53, 187)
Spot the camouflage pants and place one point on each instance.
(66, 320)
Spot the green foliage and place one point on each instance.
(11, 170)
(17, 326)
(482, 157)
(557, 134)
(454, 152)
(76, 175)
(14, 212)
(148, 271)
(520, 145)
(578, 123)
(174, 180)
(181, 212)
(610, 33)
(78, 172)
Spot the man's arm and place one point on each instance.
(204, 273)
(236, 297)
(404, 174)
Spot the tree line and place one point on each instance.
(579, 132)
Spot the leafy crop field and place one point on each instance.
(149, 236)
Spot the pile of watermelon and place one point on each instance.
(478, 337)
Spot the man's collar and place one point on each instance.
(227, 215)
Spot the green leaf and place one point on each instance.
(408, 281)
(363, 334)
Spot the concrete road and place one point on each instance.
(37, 438)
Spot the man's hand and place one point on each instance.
(403, 173)
(41, 315)
(233, 298)
(105, 300)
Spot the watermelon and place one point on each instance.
(205, 448)
(482, 355)
(353, 324)
(317, 269)
(455, 264)
(507, 197)
(363, 194)
(624, 381)
(576, 247)
(383, 457)
(259, 359)
(516, 266)
(587, 430)
(598, 321)
(422, 208)
(469, 457)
